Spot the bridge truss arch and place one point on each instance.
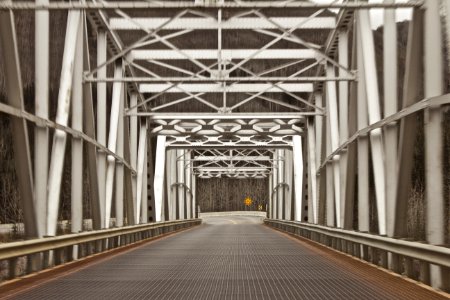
(284, 90)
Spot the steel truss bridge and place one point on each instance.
(155, 94)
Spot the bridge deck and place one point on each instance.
(232, 258)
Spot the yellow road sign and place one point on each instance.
(248, 201)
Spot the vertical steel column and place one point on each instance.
(373, 105)
(119, 182)
(304, 190)
(112, 140)
(343, 120)
(150, 200)
(297, 155)
(101, 121)
(144, 201)
(408, 127)
(76, 208)
(194, 199)
(187, 176)
(158, 184)
(41, 84)
(21, 147)
(193, 189)
(434, 187)
(352, 148)
(363, 147)
(333, 125)
(275, 184)
(140, 168)
(171, 165)
(320, 153)
(133, 140)
(62, 117)
(281, 182)
(330, 210)
(89, 128)
(390, 107)
(270, 202)
(129, 200)
(312, 171)
(180, 187)
(288, 179)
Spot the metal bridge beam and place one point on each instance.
(21, 147)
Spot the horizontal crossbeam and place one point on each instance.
(219, 88)
(230, 158)
(138, 5)
(221, 116)
(227, 79)
(213, 24)
(225, 54)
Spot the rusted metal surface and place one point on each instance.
(230, 258)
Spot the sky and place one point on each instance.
(376, 15)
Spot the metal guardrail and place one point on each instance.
(85, 243)
(437, 255)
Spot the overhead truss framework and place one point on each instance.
(284, 91)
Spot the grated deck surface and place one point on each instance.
(228, 258)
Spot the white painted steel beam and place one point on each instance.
(188, 178)
(101, 121)
(297, 156)
(133, 142)
(171, 163)
(112, 142)
(213, 24)
(144, 198)
(62, 117)
(226, 54)
(158, 178)
(41, 84)
(140, 170)
(281, 186)
(119, 180)
(194, 195)
(343, 120)
(270, 200)
(180, 187)
(21, 146)
(231, 169)
(373, 106)
(275, 182)
(170, 116)
(89, 129)
(138, 5)
(312, 170)
(363, 149)
(288, 194)
(218, 88)
(333, 125)
(76, 207)
(435, 219)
